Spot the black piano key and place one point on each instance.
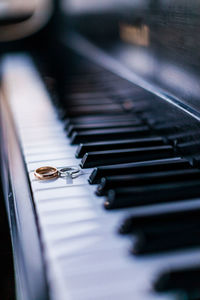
(89, 101)
(108, 134)
(167, 128)
(170, 229)
(196, 161)
(84, 88)
(88, 96)
(93, 159)
(103, 118)
(167, 219)
(188, 148)
(178, 279)
(151, 194)
(175, 163)
(84, 120)
(112, 182)
(183, 137)
(105, 125)
(118, 144)
(95, 109)
(160, 240)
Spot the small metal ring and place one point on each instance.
(46, 173)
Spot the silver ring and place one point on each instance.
(63, 172)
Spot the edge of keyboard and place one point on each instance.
(28, 260)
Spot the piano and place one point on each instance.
(111, 88)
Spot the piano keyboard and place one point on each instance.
(104, 240)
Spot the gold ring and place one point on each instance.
(45, 173)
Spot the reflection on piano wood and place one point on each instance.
(144, 182)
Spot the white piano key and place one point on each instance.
(121, 292)
(98, 244)
(81, 244)
(42, 140)
(38, 124)
(49, 149)
(100, 281)
(64, 234)
(63, 204)
(32, 146)
(38, 134)
(64, 192)
(66, 217)
(44, 129)
(93, 260)
(48, 156)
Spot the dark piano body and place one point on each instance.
(140, 135)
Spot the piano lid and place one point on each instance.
(157, 39)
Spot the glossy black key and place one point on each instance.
(96, 119)
(178, 279)
(183, 137)
(90, 101)
(151, 194)
(158, 220)
(166, 128)
(196, 161)
(95, 109)
(159, 240)
(118, 144)
(87, 96)
(175, 163)
(109, 134)
(85, 88)
(188, 148)
(93, 159)
(112, 182)
(105, 125)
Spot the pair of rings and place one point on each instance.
(47, 172)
